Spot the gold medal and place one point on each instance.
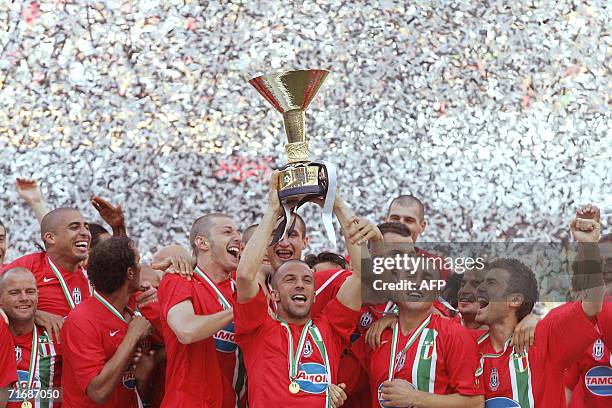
(26, 404)
(294, 387)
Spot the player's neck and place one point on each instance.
(20, 327)
(212, 270)
(298, 321)
(119, 298)
(410, 320)
(502, 330)
(63, 262)
(469, 321)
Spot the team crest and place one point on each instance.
(598, 349)
(598, 380)
(400, 360)
(365, 320)
(494, 380)
(307, 349)
(76, 296)
(521, 361)
(17, 354)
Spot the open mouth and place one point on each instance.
(234, 251)
(23, 307)
(284, 254)
(82, 246)
(467, 298)
(299, 299)
(415, 295)
(483, 301)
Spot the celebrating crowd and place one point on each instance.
(240, 319)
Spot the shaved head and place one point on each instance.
(18, 270)
(54, 219)
(285, 266)
(408, 201)
(202, 226)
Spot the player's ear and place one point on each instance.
(423, 224)
(130, 273)
(516, 300)
(274, 295)
(202, 243)
(306, 240)
(49, 238)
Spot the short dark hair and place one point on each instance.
(109, 262)
(326, 256)
(408, 200)
(96, 230)
(394, 227)
(202, 226)
(248, 232)
(297, 219)
(522, 280)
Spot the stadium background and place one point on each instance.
(497, 115)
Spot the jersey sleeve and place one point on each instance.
(250, 316)
(572, 375)
(82, 351)
(561, 349)
(342, 321)
(26, 261)
(462, 360)
(8, 367)
(173, 290)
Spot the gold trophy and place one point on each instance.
(301, 179)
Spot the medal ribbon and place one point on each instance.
(318, 339)
(519, 372)
(294, 359)
(33, 361)
(62, 282)
(109, 306)
(222, 300)
(411, 341)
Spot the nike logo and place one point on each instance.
(383, 342)
(47, 280)
(113, 333)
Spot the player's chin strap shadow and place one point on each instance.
(328, 207)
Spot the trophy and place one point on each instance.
(301, 179)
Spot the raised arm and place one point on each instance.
(356, 231)
(246, 275)
(586, 230)
(29, 191)
(112, 215)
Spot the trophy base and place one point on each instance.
(300, 181)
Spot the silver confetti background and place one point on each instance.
(496, 114)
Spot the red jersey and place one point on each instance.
(591, 377)
(47, 374)
(442, 359)
(8, 369)
(51, 297)
(264, 343)
(327, 285)
(536, 378)
(89, 337)
(193, 374)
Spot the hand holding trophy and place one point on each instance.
(301, 179)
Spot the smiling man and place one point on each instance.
(535, 378)
(62, 282)
(293, 358)
(19, 299)
(197, 319)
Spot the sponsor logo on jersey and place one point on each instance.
(501, 402)
(22, 383)
(598, 381)
(365, 320)
(312, 378)
(129, 380)
(307, 349)
(598, 349)
(224, 339)
(76, 296)
(494, 379)
(18, 354)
